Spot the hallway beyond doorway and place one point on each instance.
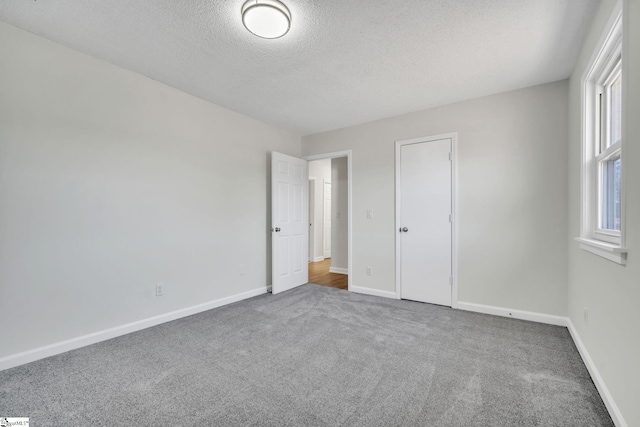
(319, 275)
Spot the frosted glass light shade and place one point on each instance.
(268, 19)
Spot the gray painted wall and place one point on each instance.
(609, 291)
(111, 182)
(512, 192)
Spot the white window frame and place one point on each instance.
(604, 149)
(606, 62)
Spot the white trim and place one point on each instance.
(606, 40)
(606, 396)
(454, 209)
(338, 270)
(606, 250)
(348, 155)
(515, 314)
(609, 47)
(454, 220)
(95, 337)
(374, 292)
(614, 412)
(318, 259)
(397, 225)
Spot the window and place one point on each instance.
(602, 230)
(608, 143)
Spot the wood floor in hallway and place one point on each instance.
(319, 275)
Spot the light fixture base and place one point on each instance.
(269, 19)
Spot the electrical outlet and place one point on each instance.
(160, 289)
(369, 213)
(369, 271)
(586, 316)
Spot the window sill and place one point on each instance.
(606, 250)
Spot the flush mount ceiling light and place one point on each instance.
(268, 19)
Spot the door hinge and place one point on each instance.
(450, 280)
(449, 155)
(449, 217)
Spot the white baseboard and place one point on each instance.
(515, 314)
(82, 341)
(374, 292)
(74, 343)
(615, 413)
(338, 270)
(318, 259)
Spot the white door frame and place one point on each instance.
(333, 155)
(454, 210)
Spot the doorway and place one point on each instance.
(330, 221)
(326, 216)
(425, 220)
(320, 274)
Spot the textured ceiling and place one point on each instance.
(342, 63)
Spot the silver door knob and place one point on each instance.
(404, 229)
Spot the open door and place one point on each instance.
(290, 222)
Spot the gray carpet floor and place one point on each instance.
(315, 356)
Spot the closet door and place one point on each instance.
(425, 229)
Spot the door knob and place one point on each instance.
(404, 229)
(277, 229)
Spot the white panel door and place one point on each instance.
(290, 219)
(425, 222)
(326, 226)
